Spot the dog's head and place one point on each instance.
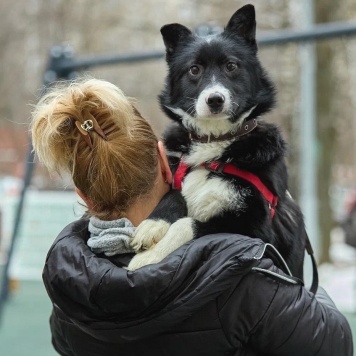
(215, 82)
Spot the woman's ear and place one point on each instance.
(166, 170)
(86, 200)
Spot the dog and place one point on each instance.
(229, 163)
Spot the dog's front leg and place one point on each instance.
(171, 208)
(178, 234)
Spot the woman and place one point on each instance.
(218, 295)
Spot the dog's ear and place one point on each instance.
(243, 24)
(173, 34)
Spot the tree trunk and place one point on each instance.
(325, 11)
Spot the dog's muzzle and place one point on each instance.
(215, 101)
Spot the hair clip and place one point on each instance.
(84, 130)
(88, 125)
(93, 124)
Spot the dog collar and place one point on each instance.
(245, 129)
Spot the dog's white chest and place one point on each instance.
(208, 197)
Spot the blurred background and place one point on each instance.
(316, 83)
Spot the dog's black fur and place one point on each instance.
(229, 61)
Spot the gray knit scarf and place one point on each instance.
(110, 237)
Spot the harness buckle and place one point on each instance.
(272, 206)
(215, 167)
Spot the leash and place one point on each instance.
(308, 247)
(310, 251)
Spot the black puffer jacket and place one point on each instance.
(210, 297)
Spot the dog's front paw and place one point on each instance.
(178, 234)
(148, 233)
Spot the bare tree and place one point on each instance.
(325, 11)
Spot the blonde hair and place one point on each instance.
(112, 173)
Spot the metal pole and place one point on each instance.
(4, 292)
(29, 168)
(281, 37)
(308, 142)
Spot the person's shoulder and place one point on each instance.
(74, 234)
(226, 243)
(217, 253)
(75, 228)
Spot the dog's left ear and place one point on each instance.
(243, 24)
(172, 35)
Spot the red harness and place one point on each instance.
(228, 168)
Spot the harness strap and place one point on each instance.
(179, 175)
(228, 168)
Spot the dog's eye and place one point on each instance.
(194, 70)
(231, 66)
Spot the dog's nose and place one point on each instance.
(215, 101)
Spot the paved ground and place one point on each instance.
(24, 327)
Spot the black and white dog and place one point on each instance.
(231, 167)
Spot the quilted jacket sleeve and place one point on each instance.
(278, 318)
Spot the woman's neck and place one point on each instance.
(143, 207)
